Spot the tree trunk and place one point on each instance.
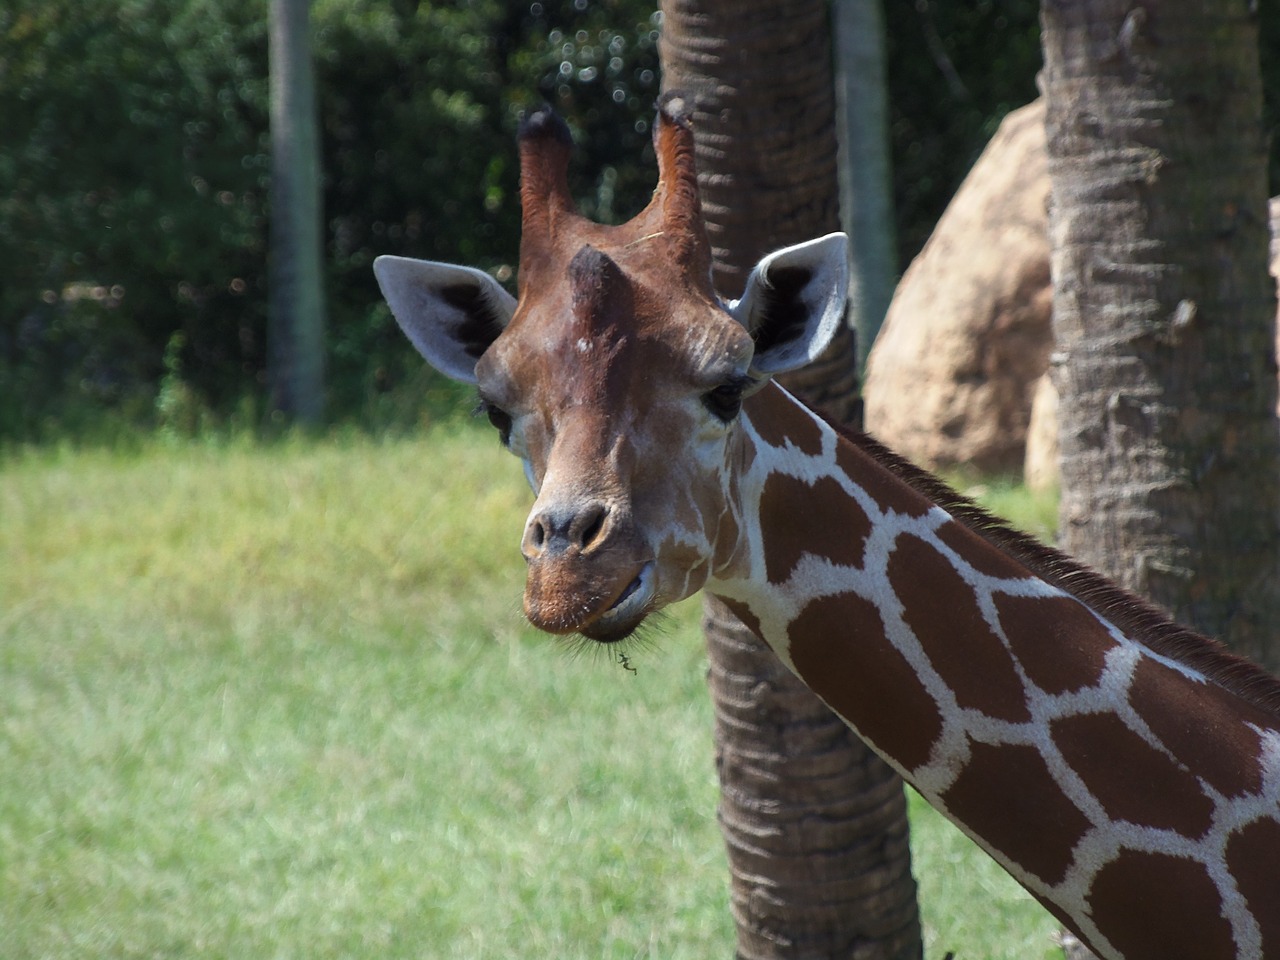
(295, 276)
(814, 823)
(1163, 308)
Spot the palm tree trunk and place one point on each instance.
(814, 823)
(1163, 308)
(1163, 311)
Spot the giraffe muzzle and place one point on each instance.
(603, 602)
(588, 571)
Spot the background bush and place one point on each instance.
(134, 163)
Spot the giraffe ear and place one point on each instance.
(794, 303)
(451, 314)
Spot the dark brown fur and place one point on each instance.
(1138, 619)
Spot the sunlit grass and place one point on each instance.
(1035, 512)
(279, 700)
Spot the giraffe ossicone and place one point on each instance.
(1124, 770)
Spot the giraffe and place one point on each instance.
(1126, 771)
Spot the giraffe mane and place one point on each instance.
(1137, 618)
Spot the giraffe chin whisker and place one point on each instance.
(626, 613)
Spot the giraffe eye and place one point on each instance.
(500, 419)
(724, 401)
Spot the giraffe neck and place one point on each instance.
(1125, 771)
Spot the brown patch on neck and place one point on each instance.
(881, 485)
(800, 523)
(978, 554)
(1135, 618)
(1007, 795)
(1253, 853)
(1131, 779)
(1061, 646)
(782, 424)
(1153, 905)
(942, 611)
(1202, 726)
(841, 651)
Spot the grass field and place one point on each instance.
(278, 701)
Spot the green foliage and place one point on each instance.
(131, 199)
(1031, 511)
(134, 173)
(955, 70)
(134, 180)
(269, 700)
(420, 107)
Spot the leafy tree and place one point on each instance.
(420, 107)
(133, 170)
(133, 179)
(955, 70)
(130, 201)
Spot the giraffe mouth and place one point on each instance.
(625, 613)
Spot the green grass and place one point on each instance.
(1034, 512)
(279, 701)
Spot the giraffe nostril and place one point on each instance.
(556, 532)
(591, 525)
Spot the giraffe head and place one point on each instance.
(618, 377)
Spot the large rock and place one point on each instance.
(965, 346)
(950, 378)
(1040, 466)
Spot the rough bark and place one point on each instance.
(1163, 308)
(296, 297)
(814, 823)
(1163, 311)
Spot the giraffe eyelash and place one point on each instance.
(500, 419)
(725, 401)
